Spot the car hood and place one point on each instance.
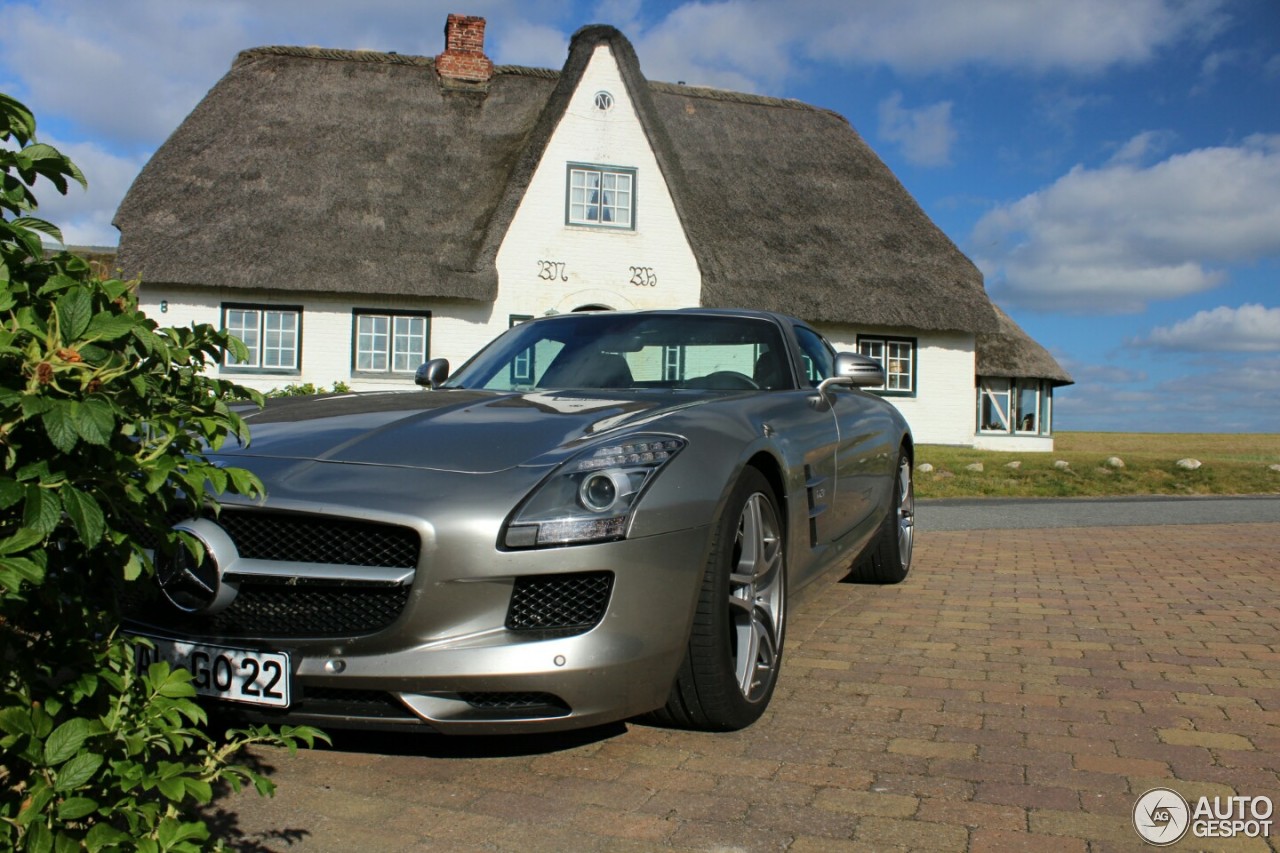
(448, 429)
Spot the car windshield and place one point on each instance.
(633, 351)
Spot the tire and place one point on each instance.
(735, 647)
(888, 560)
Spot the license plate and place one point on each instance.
(238, 675)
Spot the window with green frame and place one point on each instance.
(389, 342)
(898, 358)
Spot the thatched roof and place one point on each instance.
(317, 170)
(1009, 351)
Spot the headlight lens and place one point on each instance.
(591, 497)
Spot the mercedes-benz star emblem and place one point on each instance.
(196, 585)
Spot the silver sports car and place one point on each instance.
(598, 516)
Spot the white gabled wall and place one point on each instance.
(545, 265)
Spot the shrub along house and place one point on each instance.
(350, 214)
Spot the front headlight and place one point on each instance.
(591, 497)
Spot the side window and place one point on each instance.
(525, 365)
(272, 335)
(819, 358)
(389, 342)
(898, 358)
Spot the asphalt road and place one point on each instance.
(1038, 513)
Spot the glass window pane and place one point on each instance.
(280, 339)
(410, 346)
(243, 323)
(1028, 407)
(371, 342)
(995, 405)
(898, 366)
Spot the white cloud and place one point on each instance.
(1082, 35)
(1249, 328)
(84, 215)
(730, 45)
(925, 134)
(1142, 148)
(1110, 240)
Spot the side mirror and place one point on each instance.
(433, 373)
(857, 371)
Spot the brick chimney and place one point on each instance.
(463, 57)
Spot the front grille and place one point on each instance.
(513, 704)
(340, 702)
(563, 604)
(288, 606)
(275, 607)
(318, 539)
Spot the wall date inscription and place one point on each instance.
(552, 271)
(643, 277)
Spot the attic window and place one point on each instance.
(601, 195)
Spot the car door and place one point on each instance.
(857, 455)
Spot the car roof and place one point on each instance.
(781, 319)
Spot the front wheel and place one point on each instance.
(889, 558)
(735, 647)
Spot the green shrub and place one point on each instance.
(104, 419)
(307, 389)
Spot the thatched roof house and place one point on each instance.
(400, 181)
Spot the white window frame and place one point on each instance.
(1021, 415)
(898, 358)
(271, 333)
(389, 346)
(600, 196)
(993, 390)
(1002, 389)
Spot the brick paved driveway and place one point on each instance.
(1018, 692)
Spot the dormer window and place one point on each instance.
(601, 195)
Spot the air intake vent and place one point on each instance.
(563, 604)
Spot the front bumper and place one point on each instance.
(450, 663)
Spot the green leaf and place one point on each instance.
(77, 771)
(75, 310)
(16, 721)
(94, 420)
(200, 790)
(11, 491)
(75, 808)
(14, 571)
(85, 514)
(25, 538)
(173, 789)
(103, 835)
(66, 740)
(39, 839)
(32, 224)
(60, 426)
(175, 684)
(108, 327)
(42, 512)
(172, 833)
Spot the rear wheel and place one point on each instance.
(735, 647)
(889, 558)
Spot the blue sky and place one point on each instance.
(1113, 166)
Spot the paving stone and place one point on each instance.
(1018, 692)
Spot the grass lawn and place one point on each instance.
(1230, 465)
